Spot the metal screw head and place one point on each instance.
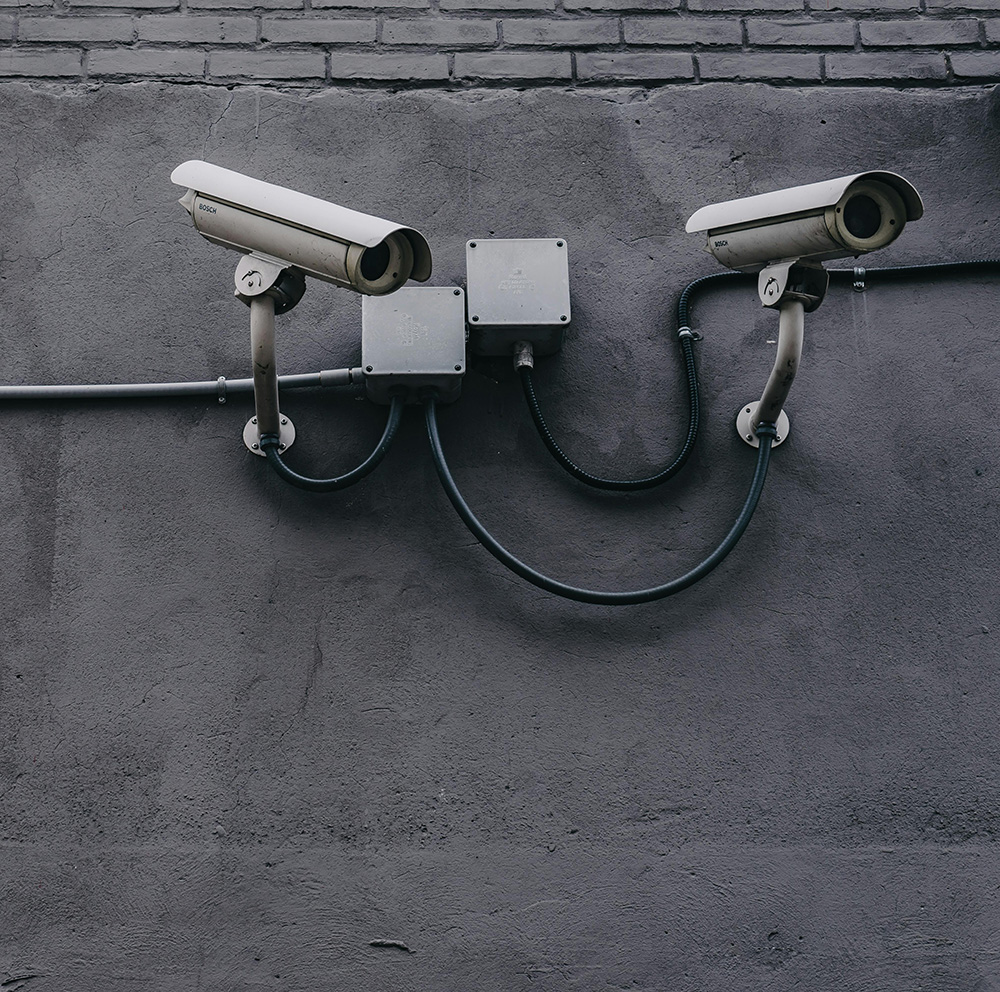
(253, 279)
(474, 318)
(458, 368)
(253, 420)
(472, 244)
(749, 437)
(559, 244)
(255, 446)
(281, 447)
(564, 317)
(457, 292)
(284, 420)
(368, 368)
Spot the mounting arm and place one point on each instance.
(793, 289)
(267, 286)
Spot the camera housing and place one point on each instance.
(838, 218)
(322, 239)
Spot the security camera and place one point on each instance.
(361, 252)
(785, 236)
(838, 218)
(283, 237)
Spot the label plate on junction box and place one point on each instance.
(518, 290)
(412, 339)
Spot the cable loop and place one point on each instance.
(270, 443)
(624, 485)
(601, 598)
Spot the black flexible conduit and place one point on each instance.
(685, 338)
(623, 485)
(689, 291)
(765, 432)
(269, 444)
(894, 272)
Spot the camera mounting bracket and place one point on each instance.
(791, 324)
(793, 288)
(268, 286)
(793, 279)
(258, 274)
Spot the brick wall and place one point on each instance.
(315, 43)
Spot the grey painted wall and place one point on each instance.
(245, 732)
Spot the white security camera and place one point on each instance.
(322, 239)
(283, 237)
(833, 219)
(785, 236)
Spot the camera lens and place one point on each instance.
(375, 261)
(862, 216)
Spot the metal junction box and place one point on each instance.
(518, 290)
(412, 339)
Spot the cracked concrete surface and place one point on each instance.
(257, 738)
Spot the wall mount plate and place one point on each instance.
(251, 438)
(743, 425)
(518, 290)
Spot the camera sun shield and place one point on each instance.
(819, 222)
(325, 240)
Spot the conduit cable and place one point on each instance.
(269, 444)
(219, 388)
(688, 293)
(893, 272)
(685, 339)
(766, 433)
(624, 485)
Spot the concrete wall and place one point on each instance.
(254, 738)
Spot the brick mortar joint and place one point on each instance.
(136, 43)
(456, 84)
(19, 18)
(309, 15)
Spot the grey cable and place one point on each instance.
(219, 388)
